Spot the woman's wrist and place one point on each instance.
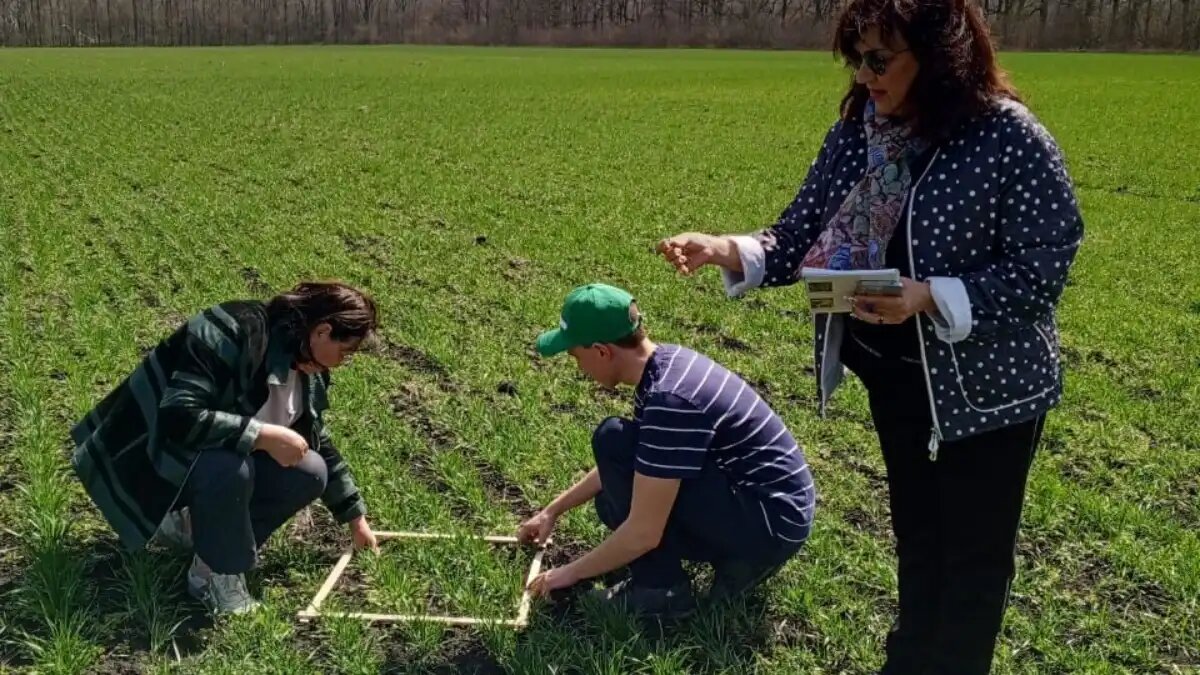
(262, 441)
(729, 256)
(929, 305)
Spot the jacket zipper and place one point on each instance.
(935, 436)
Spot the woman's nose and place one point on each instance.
(863, 74)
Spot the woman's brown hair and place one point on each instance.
(349, 312)
(958, 79)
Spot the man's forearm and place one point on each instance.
(622, 547)
(580, 493)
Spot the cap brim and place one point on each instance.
(553, 342)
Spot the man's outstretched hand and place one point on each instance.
(552, 580)
(537, 529)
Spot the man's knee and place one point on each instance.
(609, 513)
(613, 439)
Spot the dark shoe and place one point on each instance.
(736, 577)
(660, 603)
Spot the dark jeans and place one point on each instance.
(955, 521)
(236, 502)
(710, 521)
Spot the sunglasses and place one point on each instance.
(875, 60)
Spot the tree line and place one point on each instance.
(1020, 24)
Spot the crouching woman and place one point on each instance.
(217, 438)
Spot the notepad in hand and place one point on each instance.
(828, 289)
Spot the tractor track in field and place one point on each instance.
(254, 282)
(410, 406)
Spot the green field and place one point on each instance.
(469, 190)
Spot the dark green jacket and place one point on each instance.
(197, 391)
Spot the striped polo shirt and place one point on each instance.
(691, 410)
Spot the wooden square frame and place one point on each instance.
(313, 611)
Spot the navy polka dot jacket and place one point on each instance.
(993, 224)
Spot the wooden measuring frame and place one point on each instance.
(313, 611)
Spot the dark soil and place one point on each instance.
(255, 283)
(418, 361)
(409, 406)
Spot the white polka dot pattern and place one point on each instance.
(996, 210)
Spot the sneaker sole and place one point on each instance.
(202, 597)
(199, 591)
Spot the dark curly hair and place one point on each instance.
(958, 79)
(349, 312)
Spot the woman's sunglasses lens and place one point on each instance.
(876, 63)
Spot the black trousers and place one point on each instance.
(955, 521)
(710, 521)
(237, 501)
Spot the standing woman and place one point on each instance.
(937, 169)
(218, 439)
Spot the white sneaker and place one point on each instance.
(175, 530)
(223, 594)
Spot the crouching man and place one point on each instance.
(704, 470)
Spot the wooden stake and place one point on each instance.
(535, 568)
(408, 618)
(495, 539)
(331, 581)
(312, 612)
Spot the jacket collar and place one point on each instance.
(279, 357)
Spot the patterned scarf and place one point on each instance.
(857, 236)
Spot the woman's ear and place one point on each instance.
(322, 331)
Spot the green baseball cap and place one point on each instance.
(591, 314)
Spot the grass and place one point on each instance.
(454, 577)
(469, 189)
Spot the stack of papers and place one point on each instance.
(828, 289)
